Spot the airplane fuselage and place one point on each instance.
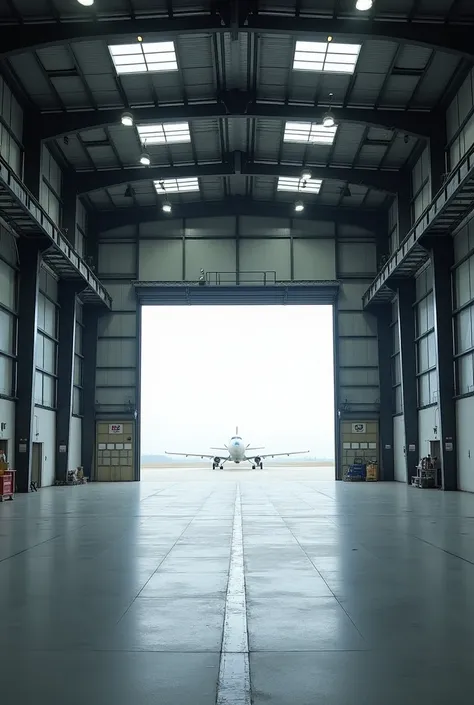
(236, 449)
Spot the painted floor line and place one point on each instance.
(233, 687)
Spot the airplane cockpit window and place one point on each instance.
(236, 438)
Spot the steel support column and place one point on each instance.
(442, 260)
(30, 260)
(404, 208)
(406, 327)
(67, 336)
(438, 154)
(384, 318)
(90, 320)
(32, 154)
(69, 209)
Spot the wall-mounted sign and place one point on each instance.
(115, 428)
(359, 428)
(62, 448)
(448, 446)
(411, 448)
(22, 448)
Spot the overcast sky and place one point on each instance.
(267, 369)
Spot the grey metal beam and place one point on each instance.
(454, 38)
(67, 336)
(442, 261)
(236, 162)
(235, 104)
(107, 220)
(406, 328)
(384, 331)
(30, 260)
(69, 208)
(90, 320)
(32, 153)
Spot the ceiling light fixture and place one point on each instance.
(86, 3)
(364, 5)
(145, 159)
(139, 38)
(328, 119)
(306, 174)
(299, 206)
(127, 119)
(166, 207)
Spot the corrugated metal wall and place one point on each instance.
(420, 186)
(460, 122)
(248, 249)
(50, 186)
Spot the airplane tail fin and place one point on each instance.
(236, 430)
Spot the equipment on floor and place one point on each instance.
(425, 473)
(357, 472)
(7, 484)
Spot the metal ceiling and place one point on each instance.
(236, 86)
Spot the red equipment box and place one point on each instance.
(7, 485)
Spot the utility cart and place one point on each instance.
(7, 485)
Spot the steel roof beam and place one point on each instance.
(455, 38)
(417, 123)
(236, 163)
(108, 220)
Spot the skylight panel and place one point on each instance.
(144, 57)
(299, 185)
(166, 133)
(309, 133)
(177, 185)
(327, 57)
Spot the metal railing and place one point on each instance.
(454, 183)
(30, 206)
(247, 277)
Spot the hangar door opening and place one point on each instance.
(262, 373)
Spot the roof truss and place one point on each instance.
(455, 38)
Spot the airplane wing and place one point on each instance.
(276, 455)
(256, 448)
(192, 455)
(226, 450)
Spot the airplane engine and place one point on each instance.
(217, 460)
(258, 460)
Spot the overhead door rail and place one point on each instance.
(27, 218)
(449, 207)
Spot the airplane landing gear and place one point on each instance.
(221, 467)
(253, 467)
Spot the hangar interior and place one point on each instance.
(199, 151)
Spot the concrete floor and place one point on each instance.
(355, 594)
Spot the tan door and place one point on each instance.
(36, 463)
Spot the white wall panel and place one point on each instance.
(116, 353)
(212, 256)
(357, 258)
(117, 258)
(465, 443)
(116, 396)
(116, 378)
(158, 229)
(355, 323)
(351, 293)
(210, 227)
(254, 226)
(7, 285)
(393, 229)
(11, 132)
(367, 396)
(358, 377)
(314, 259)
(421, 184)
(50, 185)
(160, 260)
(458, 112)
(398, 448)
(118, 325)
(266, 255)
(427, 420)
(75, 443)
(7, 416)
(123, 296)
(44, 431)
(362, 352)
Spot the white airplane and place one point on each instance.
(237, 453)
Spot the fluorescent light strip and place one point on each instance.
(168, 133)
(177, 185)
(309, 133)
(297, 185)
(326, 57)
(144, 57)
